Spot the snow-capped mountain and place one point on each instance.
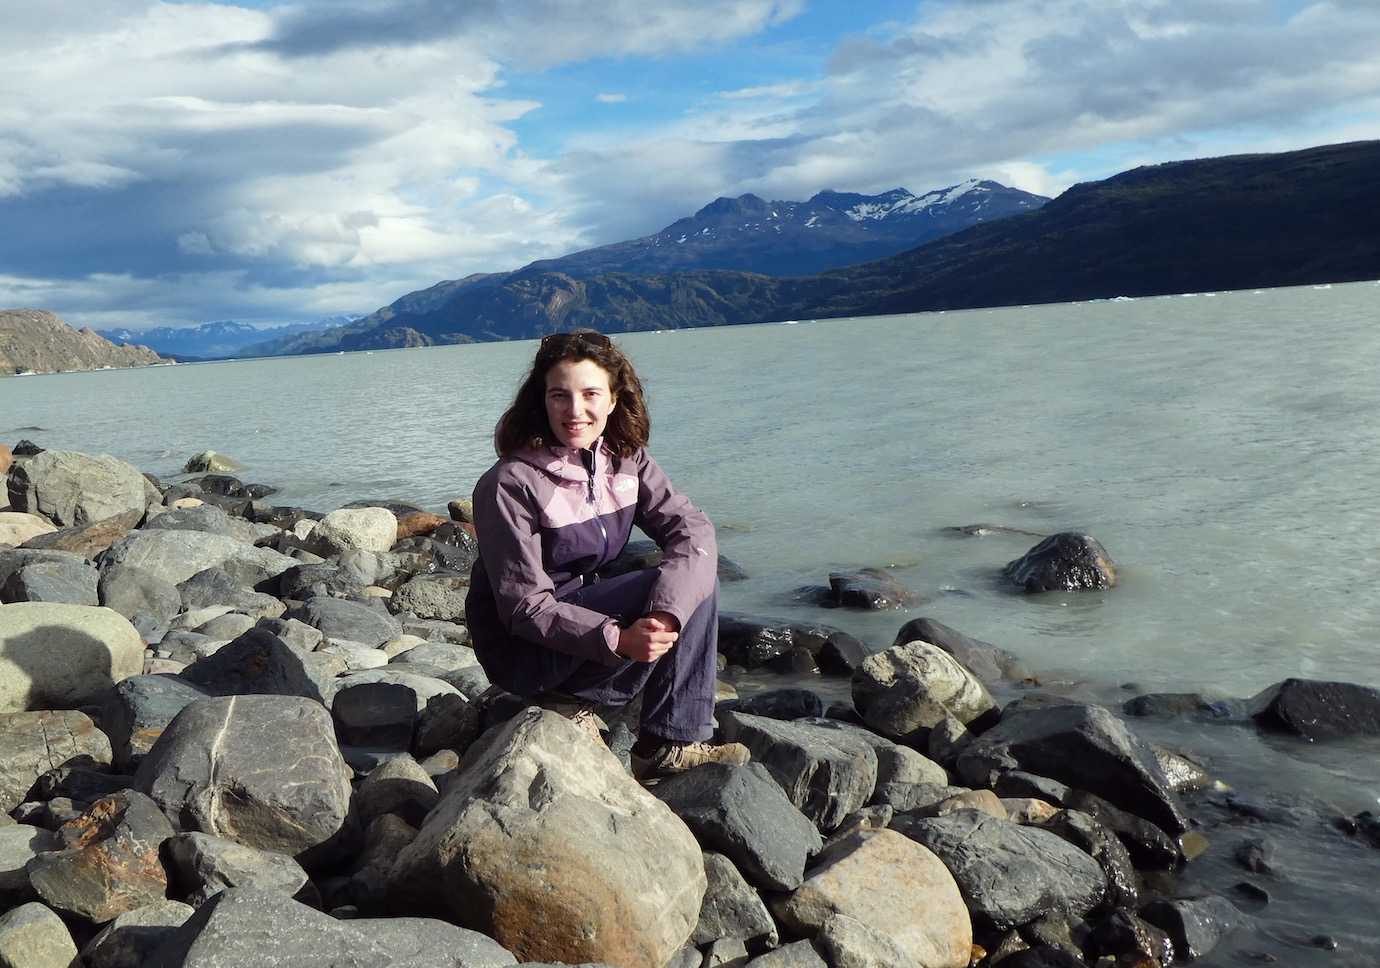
(216, 339)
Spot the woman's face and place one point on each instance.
(578, 401)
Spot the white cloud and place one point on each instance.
(610, 98)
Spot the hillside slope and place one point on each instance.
(37, 341)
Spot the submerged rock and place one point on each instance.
(1067, 562)
(1318, 710)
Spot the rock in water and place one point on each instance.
(543, 842)
(31, 744)
(905, 691)
(893, 886)
(70, 488)
(1318, 710)
(56, 655)
(1064, 562)
(1195, 925)
(264, 771)
(209, 462)
(1079, 744)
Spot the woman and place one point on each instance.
(572, 478)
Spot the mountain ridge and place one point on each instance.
(38, 341)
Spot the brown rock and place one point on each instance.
(89, 539)
(6, 459)
(419, 524)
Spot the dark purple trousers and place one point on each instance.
(677, 689)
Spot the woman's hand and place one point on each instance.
(649, 638)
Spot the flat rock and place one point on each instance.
(57, 655)
(424, 687)
(1067, 562)
(894, 887)
(256, 663)
(203, 517)
(442, 655)
(752, 641)
(130, 939)
(110, 862)
(299, 636)
(176, 556)
(905, 691)
(33, 936)
(546, 844)
(741, 812)
(1079, 744)
(1009, 874)
(731, 908)
(69, 488)
(223, 765)
(60, 576)
(337, 618)
(204, 865)
(827, 773)
(1316, 710)
(131, 590)
(32, 743)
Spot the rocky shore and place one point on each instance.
(229, 726)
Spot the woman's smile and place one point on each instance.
(578, 402)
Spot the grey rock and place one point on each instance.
(899, 768)
(447, 722)
(1009, 874)
(1195, 925)
(33, 936)
(797, 954)
(430, 943)
(298, 635)
(382, 715)
(137, 710)
(204, 865)
(1018, 783)
(222, 764)
(19, 844)
(256, 663)
(80, 781)
(317, 579)
(904, 797)
(73, 489)
(826, 773)
(1149, 846)
(32, 743)
(906, 690)
(205, 517)
(1063, 562)
(725, 953)
(110, 862)
(849, 943)
(1318, 710)
(401, 787)
(130, 940)
(986, 661)
(341, 619)
(423, 686)
(741, 812)
(1043, 956)
(731, 909)
(948, 738)
(780, 704)
(1255, 854)
(176, 556)
(1083, 745)
(443, 655)
(434, 630)
(433, 596)
(471, 681)
(752, 641)
(874, 589)
(1103, 846)
(132, 591)
(1182, 772)
(230, 626)
(1127, 938)
(56, 656)
(385, 837)
(213, 586)
(58, 577)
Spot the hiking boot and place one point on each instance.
(671, 758)
(579, 712)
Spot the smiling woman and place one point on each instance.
(573, 477)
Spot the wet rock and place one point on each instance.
(130, 940)
(892, 886)
(32, 936)
(110, 862)
(32, 743)
(753, 641)
(582, 865)
(1009, 874)
(1317, 710)
(69, 488)
(1043, 956)
(908, 689)
(135, 713)
(742, 813)
(1194, 925)
(826, 773)
(256, 663)
(19, 844)
(399, 787)
(209, 462)
(1103, 846)
(219, 484)
(1149, 846)
(873, 589)
(780, 704)
(132, 591)
(221, 767)
(59, 576)
(1182, 773)
(17, 527)
(1066, 562)
(176, 556)
(348, 529)
(1164, 704)
(204, 865)
(58, 655)
(340, 619)
(1080, 744)
(731, 908)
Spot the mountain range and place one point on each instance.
(219, 339)
(1242, 221)
(36, 341)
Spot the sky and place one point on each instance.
(171, 163)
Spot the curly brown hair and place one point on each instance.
(524, 424)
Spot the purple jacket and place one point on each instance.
(548, 517)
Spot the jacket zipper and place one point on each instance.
(594, 503)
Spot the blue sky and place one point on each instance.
(172, 163)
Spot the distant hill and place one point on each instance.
(1245, 221)
(214, 340)
(37, 341)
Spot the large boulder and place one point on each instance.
(743, 813)
(19, 844)
(900, 769)
(257, 662)
(350, 529)
(89, 540)
(1194, 925)
(176, 556)
(546, 844)
(905, 691)
(352, 621)
(1009, 874)
(17, 527)
(433, 596)
(1079, 744)
(1318, 710)
(33, 936)
(1103, 846)
(131, 591)
(986, 661)
(130, 940)
(110, 862)
(55, 656)
(32, 743)
(827, 773)
(70, 488)
(895, 887)
(263, 771)
(135, 713)
(1064, 562)
(57, 577)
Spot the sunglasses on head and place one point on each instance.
(590, 336)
